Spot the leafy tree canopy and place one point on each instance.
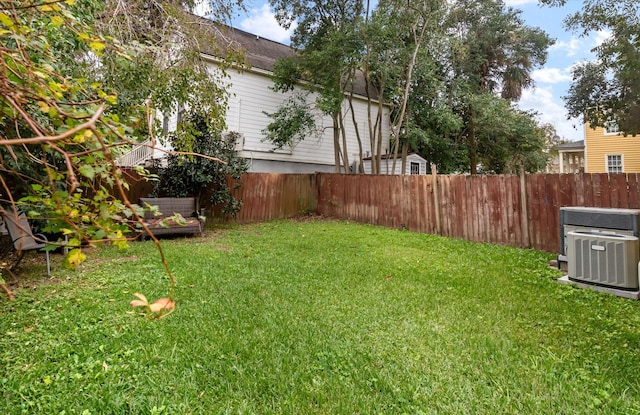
(495, 49)
(206, 171)
(59, 132)
(507, 137)
(431, 60)
(168, 69)
(292, 123)
(76, 75)
(607, 89)
(491, 52)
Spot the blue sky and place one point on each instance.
(551, 81)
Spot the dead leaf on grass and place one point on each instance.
(161, 304)
(160, 308)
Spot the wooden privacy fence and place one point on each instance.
(476, 208)
(521, 211)
(264, 196)
(267, 196)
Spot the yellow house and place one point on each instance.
(607, 150)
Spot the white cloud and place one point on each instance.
(570, 47)
(551, 111)
(201, 8)
(261, 21)
(519, 2)
(601, 36)
(552, 75)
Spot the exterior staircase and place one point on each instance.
(137, 156)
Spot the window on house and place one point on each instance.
(614, 163)
(181, 114)
(415, 168)
(611, 127)
(165, 124)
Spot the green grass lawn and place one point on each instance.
(318, 317)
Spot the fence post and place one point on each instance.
(436, 198)
(524, 215)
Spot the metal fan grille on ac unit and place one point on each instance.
(603, 259)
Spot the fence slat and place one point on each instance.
(515, 213)
(552, 207)
(476, 200)
(633, 185)
(619, 191)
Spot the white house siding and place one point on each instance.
(251, 97)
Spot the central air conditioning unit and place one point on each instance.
(605, 259)
(618, 221)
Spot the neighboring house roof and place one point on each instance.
(571, 146)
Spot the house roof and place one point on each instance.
(260, 53)
(573, 145)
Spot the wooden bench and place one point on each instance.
(169, 206)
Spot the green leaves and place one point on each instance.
(606, 89)
(506, 136)
(191, 175)
(87, 171)
(292, 123)
(59, 146)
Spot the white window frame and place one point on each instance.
(165, 123)
(412, 165)
(608, 165)
(611, 128)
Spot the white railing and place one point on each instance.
(137, 156)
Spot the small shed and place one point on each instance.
(415, 164)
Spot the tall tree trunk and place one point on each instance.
(396, 147)
(418, 36)
(375, 133)
(405, 152)
(345, 153)
(473, 147)
(378, 132)
(355, 126)
(336, 141)
(367, 88)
